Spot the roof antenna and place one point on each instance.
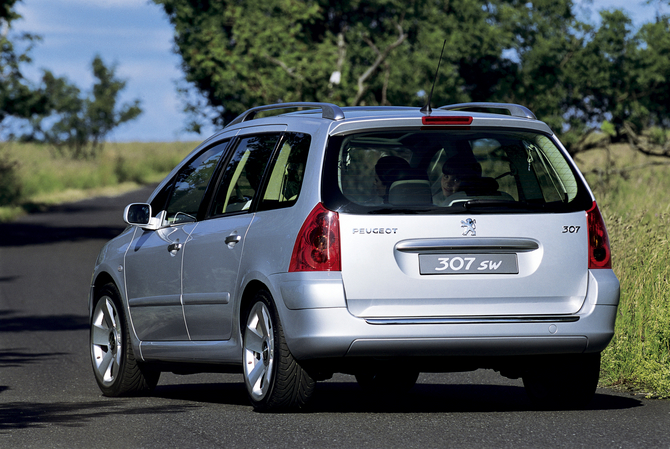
(427, 109)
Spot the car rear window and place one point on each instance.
(449, 171)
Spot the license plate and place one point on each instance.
(468, 264)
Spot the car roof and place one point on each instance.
(348, 118)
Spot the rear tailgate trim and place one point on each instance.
(471, 245)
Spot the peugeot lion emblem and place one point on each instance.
(469, 225)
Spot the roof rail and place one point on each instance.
(329, 111)
(515, 110)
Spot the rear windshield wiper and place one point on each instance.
(501, 204)
(400, 210)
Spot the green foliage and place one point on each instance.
(608, 128)
(370, 53)
(573, 75)
(78, 125)
(546, 36)
(7, 13)
(654, 72)
(17, 97)
(621, 76)
(10, 188)
(659, 136)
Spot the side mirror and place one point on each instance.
(139, 214)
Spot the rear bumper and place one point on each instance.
(328, 330)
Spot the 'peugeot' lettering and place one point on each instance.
(379, 231)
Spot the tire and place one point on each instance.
(385, 381)
(117, 372)
(274, 379)
(563, 382)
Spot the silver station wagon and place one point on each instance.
(375, 241)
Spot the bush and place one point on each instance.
(658, 136)
(10, 185)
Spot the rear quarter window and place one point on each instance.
(287, 173)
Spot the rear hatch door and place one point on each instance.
(410, 266)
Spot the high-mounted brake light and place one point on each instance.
(446, 120)
(600, 255)
(317, 247)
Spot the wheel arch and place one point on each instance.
(247, 297)
(100, 280)
(103, 278)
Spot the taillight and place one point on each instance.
(446, 120)
(599, 244)
(317, 247)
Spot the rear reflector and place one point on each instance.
(446, 120)
(317, 247)
(599, 243)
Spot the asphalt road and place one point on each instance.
(49, 398)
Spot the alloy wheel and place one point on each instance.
(259, 351)
(106, 342)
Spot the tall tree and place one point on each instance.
(604, 72)
(17, 97)
(78, 124)
(653, 74)
(621, 77)
(546, 36)
(240, 54)
(54, 109)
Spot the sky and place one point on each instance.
(136, 36)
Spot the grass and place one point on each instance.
(45, 178)
(636, 208)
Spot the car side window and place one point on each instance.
(190, 185)
(286, 177)
(242, 176)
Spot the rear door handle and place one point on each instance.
(232, 240)
(174, 247)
